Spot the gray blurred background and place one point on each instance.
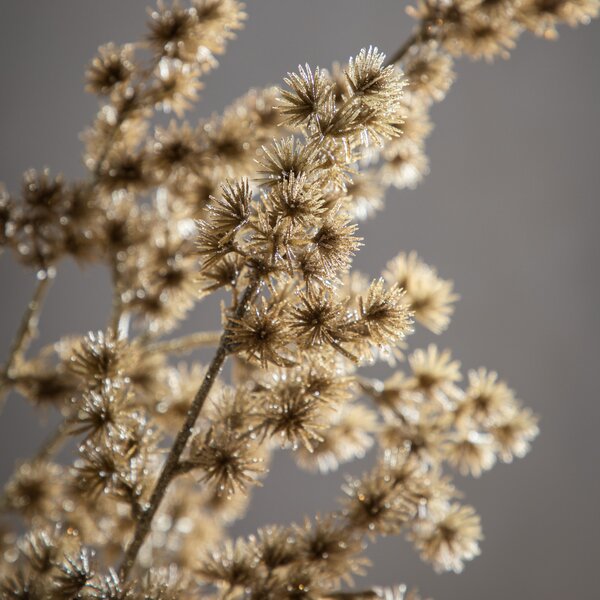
(510, 212)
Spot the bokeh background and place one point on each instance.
(510, 211)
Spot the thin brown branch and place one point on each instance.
(362, 595)
(171, 467)
(46, 450)
(26, 331)
(187, 343)
(117, 304)
(185, 466)
(414, 39)
(54, 442)
(374, 389)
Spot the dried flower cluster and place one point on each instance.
(259, 204)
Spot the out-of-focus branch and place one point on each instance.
(182, 345)
(26, 331)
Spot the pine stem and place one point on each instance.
(26, 331)
(171, 467)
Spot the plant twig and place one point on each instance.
(117, 303)
(187, 343)
(171, 467)
(362, 595)
(54, 442)
(46, 450)
(26, 331)
(372, 387)
(414, 39)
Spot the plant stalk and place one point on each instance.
(171, 467)
(404, 49)
(363, 595)
(26, 330)
(54, 442)
(117, 303)
(187, 343)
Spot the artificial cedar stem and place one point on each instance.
(171, 467)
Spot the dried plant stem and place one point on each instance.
(187, 343)
(171, 467)
(26, 331)
(414, 39)
(117, 304)
(46, 450)
(54, 442)
(374, 389)
(104, 153)
(370, 386)
(364, 595)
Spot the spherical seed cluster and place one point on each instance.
(262, 203)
